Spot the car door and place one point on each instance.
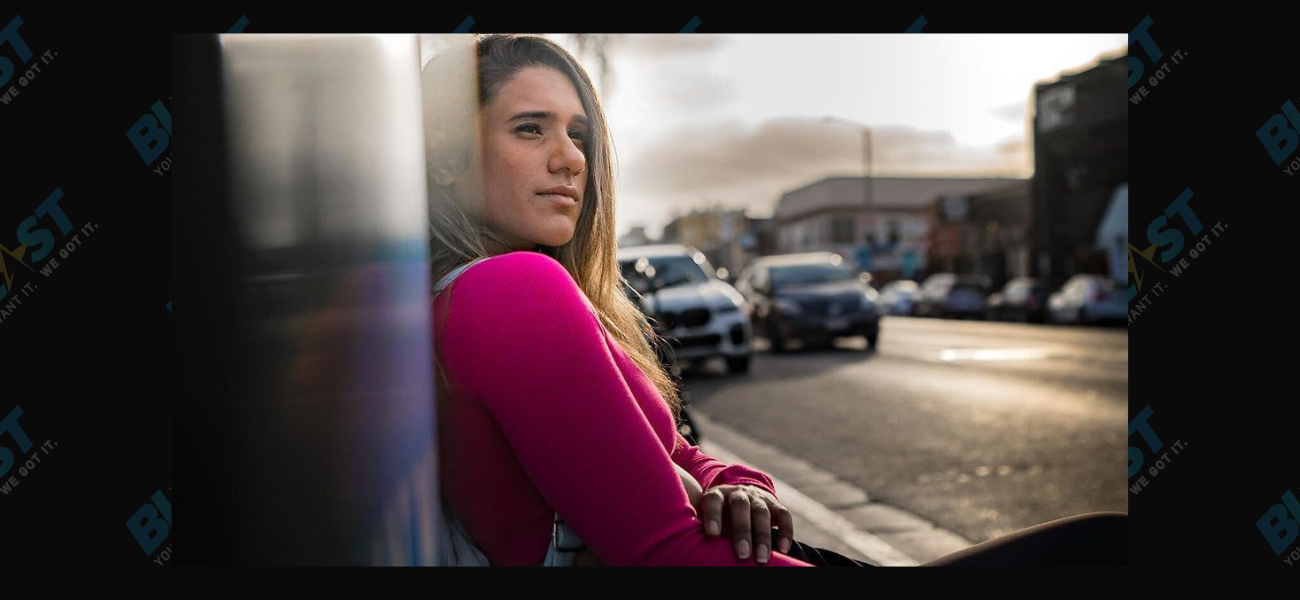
(1077, 297)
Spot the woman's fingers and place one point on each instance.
(751, 515)
(711, 511)
(784, 522)
(762, 524)
(739, 506)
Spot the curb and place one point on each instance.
(841, 516)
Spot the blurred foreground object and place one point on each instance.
(304, 405)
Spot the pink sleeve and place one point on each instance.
(522, 340)
(712, 472)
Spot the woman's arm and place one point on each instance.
(710, 472)
(522, 340)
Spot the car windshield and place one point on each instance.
(806, 274)
(938, 282)
(671, 269)
(1106, 285)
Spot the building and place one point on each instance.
(636, 237)
(985, 234)
(728, 238)
(1112, 234)
(891, 240)
(1080, 138)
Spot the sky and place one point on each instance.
(736, 120)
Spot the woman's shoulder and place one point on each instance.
(517, 280)
(521, 258)
(517, 295)
(517, 267)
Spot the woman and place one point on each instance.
(551, 401)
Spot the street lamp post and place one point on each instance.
(866, 153)
(866, 164)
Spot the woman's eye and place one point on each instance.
(529, 128)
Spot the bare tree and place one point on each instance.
(594, 48)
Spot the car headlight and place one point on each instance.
(787, 306)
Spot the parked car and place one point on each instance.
(697, 313)
(949, 295)
(899, 297)
(1023, 299)
(809, 297)
(1088, 299)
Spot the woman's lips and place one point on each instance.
(560, 199)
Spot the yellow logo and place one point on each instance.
(18, 255)
(1148, 254)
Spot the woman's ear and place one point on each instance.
(444, 176)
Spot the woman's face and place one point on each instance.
(533, 135)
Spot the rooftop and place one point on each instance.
(896, 193)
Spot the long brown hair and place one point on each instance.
(452, 149)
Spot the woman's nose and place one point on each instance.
(569, 156)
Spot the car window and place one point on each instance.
(673, 268)
(938, 282)
(809, 273)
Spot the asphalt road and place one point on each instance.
(983, 428)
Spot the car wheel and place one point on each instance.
(871, 341)
(738, 365)
(1083, 316)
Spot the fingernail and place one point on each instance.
(785, 545)
(714, 529)
(762, 553)
(742, 548)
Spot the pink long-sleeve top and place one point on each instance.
(548, 415)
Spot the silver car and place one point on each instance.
(1088, 299)
(898, 297)
(700, 315)
(949, 295)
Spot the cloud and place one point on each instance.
(729, 154)
(751, 166)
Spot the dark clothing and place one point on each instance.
(1093, 539)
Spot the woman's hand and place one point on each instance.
(750, 513)
(693, 489)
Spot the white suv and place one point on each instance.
(700, 315)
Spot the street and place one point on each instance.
(982, 428)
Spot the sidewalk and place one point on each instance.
(829, 512)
